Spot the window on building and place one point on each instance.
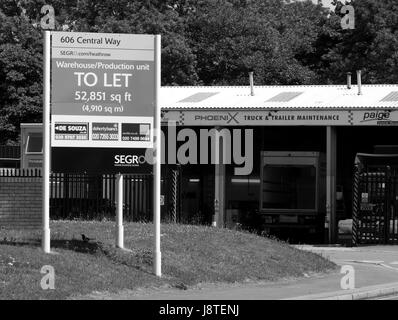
(289, 187)
(34, 143)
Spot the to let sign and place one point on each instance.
(102, 96)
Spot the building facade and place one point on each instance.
(274, 159)
(304, 142)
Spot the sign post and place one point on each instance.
(46, 144)
(119, 213)
(157, 159)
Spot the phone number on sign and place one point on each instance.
(105, 136)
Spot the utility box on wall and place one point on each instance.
(31, 145)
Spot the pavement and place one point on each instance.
(376, 275)
(376, 272)
(388, 298)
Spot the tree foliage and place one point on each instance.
(20, 72)
(370, 47)
(205, 42)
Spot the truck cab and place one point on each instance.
(292, 194)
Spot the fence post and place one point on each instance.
(387, 212)
(355, 206)
(119, 213)
(174, 195)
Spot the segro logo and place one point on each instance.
(129, 160)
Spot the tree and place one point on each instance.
(20, 73)
(370, 47)
(210, 42)
(126, 16)
(269, 36)
(21, 47)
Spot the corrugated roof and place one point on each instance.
(280, 97)
(198, 97)
(284, 97)
(393, 96)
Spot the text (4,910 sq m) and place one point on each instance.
(87, 108)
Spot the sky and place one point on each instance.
(326, 3)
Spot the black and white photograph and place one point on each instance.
(199, 158)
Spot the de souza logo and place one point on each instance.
(129, 160)
(376, 116)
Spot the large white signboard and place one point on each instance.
(102, 96)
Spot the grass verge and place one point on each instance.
(190, 255)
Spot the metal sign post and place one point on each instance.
(46, 143)
(157, 265)
(119, 213)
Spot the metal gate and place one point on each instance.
(375, 200)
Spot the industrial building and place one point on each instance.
(304, 139)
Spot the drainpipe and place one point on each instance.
(251, 79)
(348, 80)
(359, 80)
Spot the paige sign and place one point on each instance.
(105, 82)
(376, 118)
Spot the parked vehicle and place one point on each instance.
(292, 194)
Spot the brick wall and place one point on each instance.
(20, 202)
